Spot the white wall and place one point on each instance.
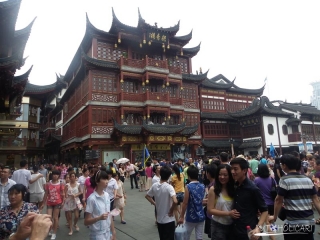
(274, 137)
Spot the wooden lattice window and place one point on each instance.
(189, 92)
(252, 131)
(104, 82)
(284, 129)
(180, 62)
(108, 52)
(270, 129)
(174, 119)
(234, 130)
(134, 118)
(131, 86)
(138, 56)
(103, 116)
(307, 129)
(173, 90)
(216, 129)
(213, 104)
(295, 128)
(191, 119)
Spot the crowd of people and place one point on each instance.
(224, 197)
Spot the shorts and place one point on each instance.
(142, 180)
(180, 197)
(58, 206)
(36, 197)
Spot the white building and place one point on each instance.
(315, 98)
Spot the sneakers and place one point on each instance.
(50, 233)
(53, 236)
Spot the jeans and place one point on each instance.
(133, 177)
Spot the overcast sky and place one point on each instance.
(249, 40)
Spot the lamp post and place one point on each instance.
(231, 140)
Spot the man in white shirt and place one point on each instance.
(132, 173)
(23, 176)
(5, 185)
(43, 171)
(164, 193)
(36, 189)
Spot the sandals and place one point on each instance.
(77, 228)
(318, 221)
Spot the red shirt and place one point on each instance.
(54, 193)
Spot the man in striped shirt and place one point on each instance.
(296, 192)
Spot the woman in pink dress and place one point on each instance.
(148, 175)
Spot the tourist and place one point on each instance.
(72, 201)
(148, 171)
(121, 171)
(220, 203)
(12, 215)
(156, 171)
(142, 177)
(177, 181)
(97, 215)
(265, 182)
(111, 188)
(247, 201)
(297, 193)
(224, 158)
(5, 184)
(36, 189)
(253, 165)
(131, 172)
(44, 172)
(210, 177)
(120, 200)
(165, 201)
(192, 213)
(64, 172)
(81, 180)
(23, 176)
(186, 173)
(54, 199)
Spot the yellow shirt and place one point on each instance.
(178, 185)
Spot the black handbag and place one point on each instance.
(273, 191)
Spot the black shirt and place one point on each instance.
(247, 201)
(141, 170)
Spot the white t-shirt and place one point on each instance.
(97, 205)
(155, 179)
(22, 176)
(112, 185)
(130, 168)
(81, 181)
(162, 193)
(37, 186)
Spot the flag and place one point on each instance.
(272, 151)
(145, 155)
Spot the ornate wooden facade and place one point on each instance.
(13, 147)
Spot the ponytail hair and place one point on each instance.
(96, 178)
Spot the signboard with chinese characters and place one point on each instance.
(157, 36)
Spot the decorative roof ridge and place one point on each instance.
(22, 77)
(89, 25)
(39, 89)
(26, 30)
(159, 128)
(186, 37)
(13, 57)
(116, 21)
(190, 129)
(8, 4)
(195, 77)
(142, 22)
(192, 49)
(127, 129)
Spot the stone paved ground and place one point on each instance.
(139, 215)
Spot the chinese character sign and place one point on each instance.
(156, 36)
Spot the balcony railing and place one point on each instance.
(136, 63)
(20, 143)
(137, 97)
(294, 137)
(158, 96)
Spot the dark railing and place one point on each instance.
(18, 143)
(294, 137)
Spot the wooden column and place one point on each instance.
(94, 48)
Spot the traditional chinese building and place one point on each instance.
(13, 147)
(220, 130)
(128, 87)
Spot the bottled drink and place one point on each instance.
(249, 232)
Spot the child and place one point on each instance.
(98, 209)
(192, 204)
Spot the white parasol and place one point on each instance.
(122, 160)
